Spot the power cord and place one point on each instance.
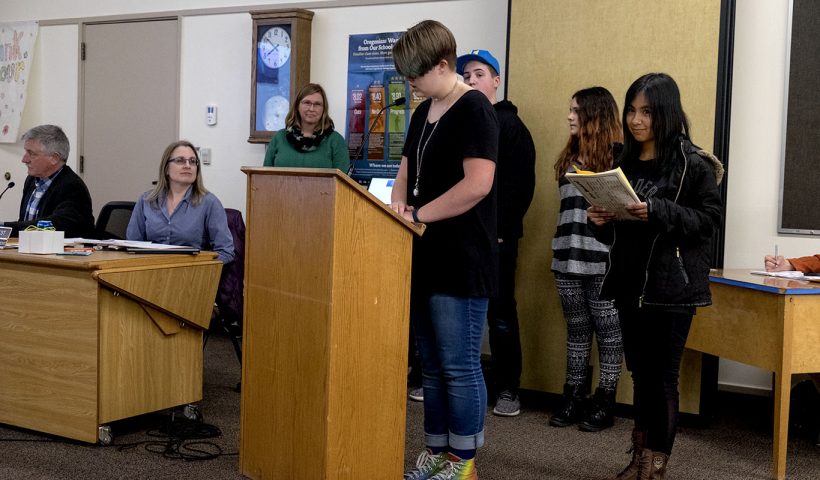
(181, 439)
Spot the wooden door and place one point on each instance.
(129, 106)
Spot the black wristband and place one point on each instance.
(415, 214)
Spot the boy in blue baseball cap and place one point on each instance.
(516, 185)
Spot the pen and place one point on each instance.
(776, 261)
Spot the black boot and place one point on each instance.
(600, 416)
(572, 408)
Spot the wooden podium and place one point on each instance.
(327, 301)
(85, 341)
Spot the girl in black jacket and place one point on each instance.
(659, 263)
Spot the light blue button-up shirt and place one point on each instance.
(204, 226)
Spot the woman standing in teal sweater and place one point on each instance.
(308, 139)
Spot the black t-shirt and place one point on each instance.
(457, 256)
(635, 242)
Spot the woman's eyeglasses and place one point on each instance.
(193, 161)
(309, 104)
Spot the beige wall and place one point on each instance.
(557, 48)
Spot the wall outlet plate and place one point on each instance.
(205, 155)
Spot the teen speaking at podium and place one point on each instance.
(446, 180)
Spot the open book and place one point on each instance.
(610, 190)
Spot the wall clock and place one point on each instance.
(280, 66)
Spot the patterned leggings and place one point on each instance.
(586, 314)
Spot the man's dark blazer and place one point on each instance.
(66, 203)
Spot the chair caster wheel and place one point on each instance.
(192, 412)
(104, 435)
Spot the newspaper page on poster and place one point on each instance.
(372, 85)
(17, 41)
(610, 190)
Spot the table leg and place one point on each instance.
(782, 393)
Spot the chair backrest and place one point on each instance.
(112, 222)
(229, 297)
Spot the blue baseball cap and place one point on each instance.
(482, 56)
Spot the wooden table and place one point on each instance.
(85, 341)
(771, 323)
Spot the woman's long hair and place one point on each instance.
(598, 130)
(669, 120)
(294, 119)
(163, 185)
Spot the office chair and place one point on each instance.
(228, 309)
(112, 221)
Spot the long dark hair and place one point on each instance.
(598, 129)
(669, 120)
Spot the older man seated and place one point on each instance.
(52, 191)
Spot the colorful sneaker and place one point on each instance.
(457, 469)
(427, 465)
(416, 394)
(507, 404)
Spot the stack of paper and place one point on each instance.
(786, 274)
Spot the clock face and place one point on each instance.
(276, 109)
(274, 47)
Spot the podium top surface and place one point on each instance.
(418, 229)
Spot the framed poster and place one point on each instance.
(280, 64)
(376, 123)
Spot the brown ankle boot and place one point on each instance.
(631, 470)
(653, 465)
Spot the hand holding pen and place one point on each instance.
(776, 263)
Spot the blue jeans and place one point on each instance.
(448, 334)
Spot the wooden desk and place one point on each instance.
(771, 323)
(89, 340)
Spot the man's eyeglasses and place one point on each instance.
(32, 153)
(193, 161)
(309, 104)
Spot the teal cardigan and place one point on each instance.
(331, 153)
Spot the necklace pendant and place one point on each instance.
(416, 192)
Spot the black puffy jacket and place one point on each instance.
(683, 218)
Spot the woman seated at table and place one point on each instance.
(308, 139)
(809, 264)
(179, 211)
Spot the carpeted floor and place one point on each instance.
(735, 446)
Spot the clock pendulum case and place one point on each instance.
(280, 67)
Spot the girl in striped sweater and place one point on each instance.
(579, 263)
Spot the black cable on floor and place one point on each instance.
(181, 439)
(24, 440)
